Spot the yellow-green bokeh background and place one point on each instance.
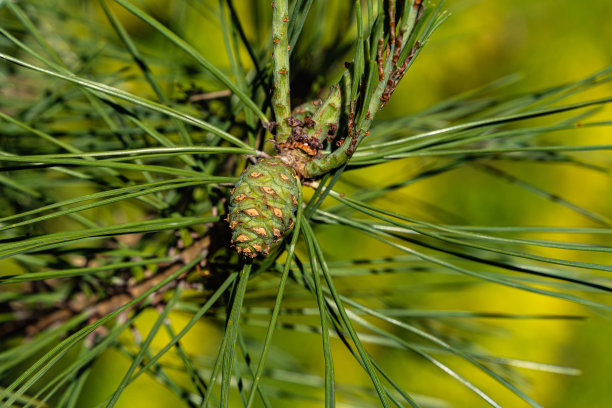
(548, 42)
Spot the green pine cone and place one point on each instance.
(262, 206)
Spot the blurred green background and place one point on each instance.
(547, 42)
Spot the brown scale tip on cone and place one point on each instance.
(252, 212)
(261, 231)
(242, 238)
(277, 212)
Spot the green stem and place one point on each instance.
(405, 31)
(280, 97)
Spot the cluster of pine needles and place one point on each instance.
(119, 146)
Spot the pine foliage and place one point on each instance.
(124, 205)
